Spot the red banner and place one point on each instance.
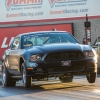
(7, 34)
(88, 36)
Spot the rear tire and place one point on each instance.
(5, 76)
(26, 80)
(66, 79)
(91, 77)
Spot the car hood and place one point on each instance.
(58, 47)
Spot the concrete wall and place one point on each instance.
(79, 29)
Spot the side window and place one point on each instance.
(15, 44)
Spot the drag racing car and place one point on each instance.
(39, 55)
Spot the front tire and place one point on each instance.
(91, 77)
(26, 80)
(5, 76)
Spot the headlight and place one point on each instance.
(35, 58)
(89, 54)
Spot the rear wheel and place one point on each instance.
(65, 79)
(6, 79)
(91, 77)
(26, 80)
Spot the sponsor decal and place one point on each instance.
(52, 2)
(15, 3)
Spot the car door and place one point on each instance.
(14, 53)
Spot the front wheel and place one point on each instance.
(5, 76)
(91, 77)
(26, 80)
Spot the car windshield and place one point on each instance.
(47, 38)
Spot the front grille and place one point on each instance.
(64, 55)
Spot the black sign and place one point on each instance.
(87, 24)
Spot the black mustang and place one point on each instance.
(39, 55)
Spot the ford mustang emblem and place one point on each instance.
(66, 63)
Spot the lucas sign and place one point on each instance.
(22, 10)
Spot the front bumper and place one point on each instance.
(80, 66)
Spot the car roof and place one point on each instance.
(39, 32)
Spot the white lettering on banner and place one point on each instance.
(4, 45)
(88, 34)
